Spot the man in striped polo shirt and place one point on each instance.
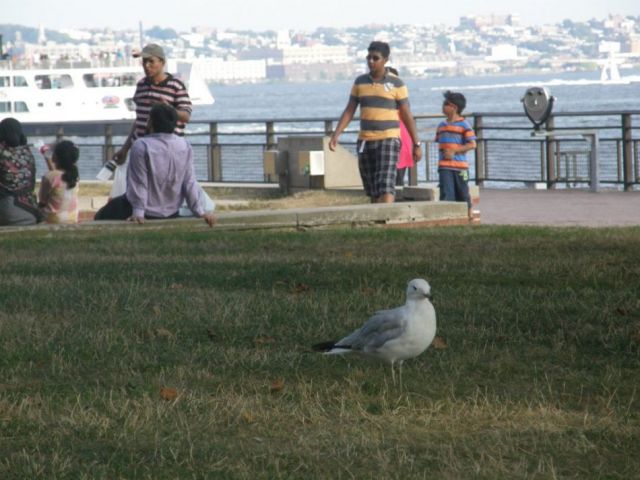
(455, 138)
(384, 101)
(157, 86)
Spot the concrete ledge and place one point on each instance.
(432, 193)
(391, 214)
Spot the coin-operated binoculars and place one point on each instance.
(538, 104)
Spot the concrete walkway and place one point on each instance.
(559, 208)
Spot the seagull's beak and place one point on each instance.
(428, 295)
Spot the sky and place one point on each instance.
(262, 15)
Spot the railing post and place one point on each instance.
(480, 153)
(550, 154)
(108, 143)
(215, 160)
(627, 152)
(427, 161)
(59, 133)
(328, 127)
(271, 135)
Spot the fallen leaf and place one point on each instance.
(156, 310)
(176, 286)
(348, 254)
(163, 332)
(368, 291)
(439, 343)
(301, 288)
(213, 336)
(277, 385)
(168, 393)
(264, 340)
(247, 416)
(635, 334)
(621, 311)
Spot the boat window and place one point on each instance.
(4, 81)
(93, 80)
(5, 107)
(46, 82)
(19, 81)
(20, 107)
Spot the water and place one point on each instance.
(574, 92)
(578, 91)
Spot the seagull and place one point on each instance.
(393, 335)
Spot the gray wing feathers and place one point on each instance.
(383, 326)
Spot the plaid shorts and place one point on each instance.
(377, 162)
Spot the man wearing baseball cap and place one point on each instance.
(157, 86)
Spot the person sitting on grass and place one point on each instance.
(18, 204)
(58, 195)
(160, 175)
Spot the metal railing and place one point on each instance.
(232, 150)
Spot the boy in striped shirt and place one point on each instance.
(384, 101)
(455, 138)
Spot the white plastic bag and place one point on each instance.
(119, 186)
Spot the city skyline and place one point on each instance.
(291, 14)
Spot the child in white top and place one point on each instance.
(58, 196)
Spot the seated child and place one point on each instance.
(58, 196)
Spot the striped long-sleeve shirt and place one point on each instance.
(170, 90)
(379, 101)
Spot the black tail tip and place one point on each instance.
(323, 346)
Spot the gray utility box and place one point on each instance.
(304, 162)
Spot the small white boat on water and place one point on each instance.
(84, 94)
(610, 72)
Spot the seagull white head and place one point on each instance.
(418, 289)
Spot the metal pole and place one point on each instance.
(551, 165)
(328, 127)
(627, 153)
(215, 160)
(480, 153)
(593, 161)
(271, 136)
(108, 143)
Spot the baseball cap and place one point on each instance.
(151, 50)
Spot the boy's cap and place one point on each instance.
(151, 50)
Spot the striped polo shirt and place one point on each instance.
(379, 101)
(452, 134)
(170, 89)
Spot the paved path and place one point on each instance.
(559, 207)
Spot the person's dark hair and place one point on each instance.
(456, 98)
(163, 118)
(381, 47)
(11, 133)
(66, 156)
(393, 71)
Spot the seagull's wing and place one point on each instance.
(383, 326)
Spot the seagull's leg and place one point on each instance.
(400, 371)
(393, 374)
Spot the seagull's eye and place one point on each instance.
(415, 288)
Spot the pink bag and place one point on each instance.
(406, 150)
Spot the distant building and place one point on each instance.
(633, 44)
(500, 53)
(483, 21)
(315, 54)
(219, 70)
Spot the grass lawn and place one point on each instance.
(184, 353)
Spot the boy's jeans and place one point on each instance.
(454, 186)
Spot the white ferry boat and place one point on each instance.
(84, 94)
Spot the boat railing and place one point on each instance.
(231, 150)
